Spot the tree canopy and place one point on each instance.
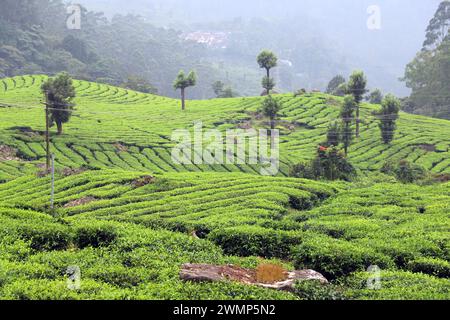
(428, 75)
(59, 93)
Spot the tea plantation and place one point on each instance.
(129, 217)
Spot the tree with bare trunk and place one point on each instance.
(182, 82)
(59, 93)
(357, 87)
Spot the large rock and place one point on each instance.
(214, 273)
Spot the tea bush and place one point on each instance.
(255, 241)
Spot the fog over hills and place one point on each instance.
(342, 24)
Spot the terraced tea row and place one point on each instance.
(116, 261)
(117, 128)
(338, 229)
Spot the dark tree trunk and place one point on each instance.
(183, 103)
(60, 127)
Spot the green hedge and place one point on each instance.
(436, 267)
(336, 258)
(256, 241)
(398, 285)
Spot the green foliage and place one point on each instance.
(329, 164)
(357, 86)
(334, 84)
(315, 290)
(59, 93)
(268, 84)
(438, 28)
(341, 90)
(267, 60)
(182, 81)
(398, 285)
(221, 91)
(333, 134)
(335, 258)
(139, 84)
(122, 256)
(404, 171)
(255, 241)
(428, 74)
(95, 235)
(270, 108)
(432, 266)
(388, 116)
(347, 115)
(375, 97)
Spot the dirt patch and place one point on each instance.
(245, 125)
(143, 181)
(442, 177)
(427, 147)
(67, 172)
(79, 202)
(8, 154)
(120, 147)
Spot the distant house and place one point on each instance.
(211, 39)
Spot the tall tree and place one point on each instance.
(137, 83)
(388, 116)
(357, 87)
(428, 75)
(218, 88)
(59, 93)
(438, 27)
(182, 82)
(222, 91)
(334, 84)
(375, 97)
(267, 60)
(270, 109)
(347, 114)
(333, 134)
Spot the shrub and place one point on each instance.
(255, 241)
(94, 235)
(302, 171)
(404, 171)
(121, 276)
(46, 237)
(315, 290)
(436, 267)
(398, 285)
(329, 164)
(336, 258)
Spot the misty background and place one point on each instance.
(334, 30)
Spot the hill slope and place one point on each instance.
(142, 124)
(120, 217)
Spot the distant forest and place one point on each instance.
(119, 49)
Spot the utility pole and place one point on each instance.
(52, 195)
(47, 135)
